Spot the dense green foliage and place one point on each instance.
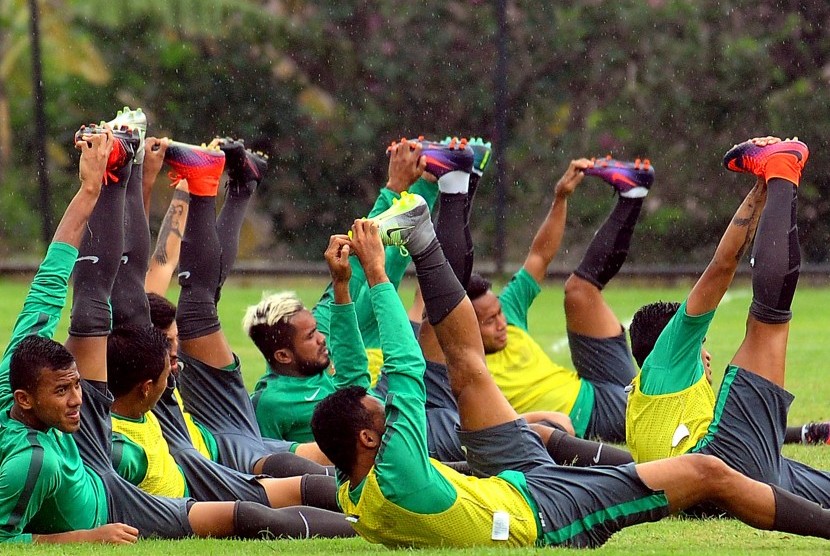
(323, 86)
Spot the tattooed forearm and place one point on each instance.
(173, 224)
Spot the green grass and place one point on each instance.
(808, 357)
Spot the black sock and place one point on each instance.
(98, 260)
(129, 302)
(609, 247)
(290, 465)
(797, 515)
(228, 227)
(440, 288)
(449, 229)
(252, 521)
(319, 491)
(776, 256)
(793, 435)
(570, 450)
(468, 236)
(196, 315)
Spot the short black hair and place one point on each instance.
(162, 311)
(336, 422)
(135, 354)
(477, 286)
(647, 325)
(33, 355)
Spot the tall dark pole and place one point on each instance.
(500, 139)
(40, 125)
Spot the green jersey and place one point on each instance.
(407, 499)
(284, 404)
(44, 486)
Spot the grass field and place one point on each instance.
(807, 378)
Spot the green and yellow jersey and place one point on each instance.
(142, 456)
(671, 403)
(395, 265)
(525, 374)
(44, 486)
(407, 499)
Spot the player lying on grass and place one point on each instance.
(224, 428)
(56, 478)
(395, 495)
(154, 450)
(672, 409)
(452, 230)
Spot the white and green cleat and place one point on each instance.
(135, 120)
(406, 224)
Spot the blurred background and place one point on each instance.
(323, 86)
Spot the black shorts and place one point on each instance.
(153, 516)
(608, 365)
(579, 507)
(747, 433)
(218, 400)
(206, 479)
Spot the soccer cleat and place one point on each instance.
(749, 158)
(122, 154)
(629, 179)
(135, 120)
(406, 224)
(481, 152)
(815, 433)
(245, 168)
(200, 166)
(455, 155)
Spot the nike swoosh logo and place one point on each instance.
(599, 452)
(314, 395)
(617, 176)
(91, 258)
(185, 274)
(124, 259)
(390, 231)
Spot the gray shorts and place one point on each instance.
(218, 399)
(153, 516)
(747, 433)
(608, 365)
(442, 435)
(579, 507)
(207, 479)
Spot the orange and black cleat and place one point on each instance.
(750, 158)
(200, 166)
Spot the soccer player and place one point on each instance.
(228, 434)
(593, 395)
(56, 479)
(395, 495)
(292, 339)
(672, 409)
(154, 450)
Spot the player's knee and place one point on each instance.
(713, 472)
(579, 292)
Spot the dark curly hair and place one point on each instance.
(135, 354)
(33, 355)
(647, 325)
(162, 311)
(477, 286)
(336, 423)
